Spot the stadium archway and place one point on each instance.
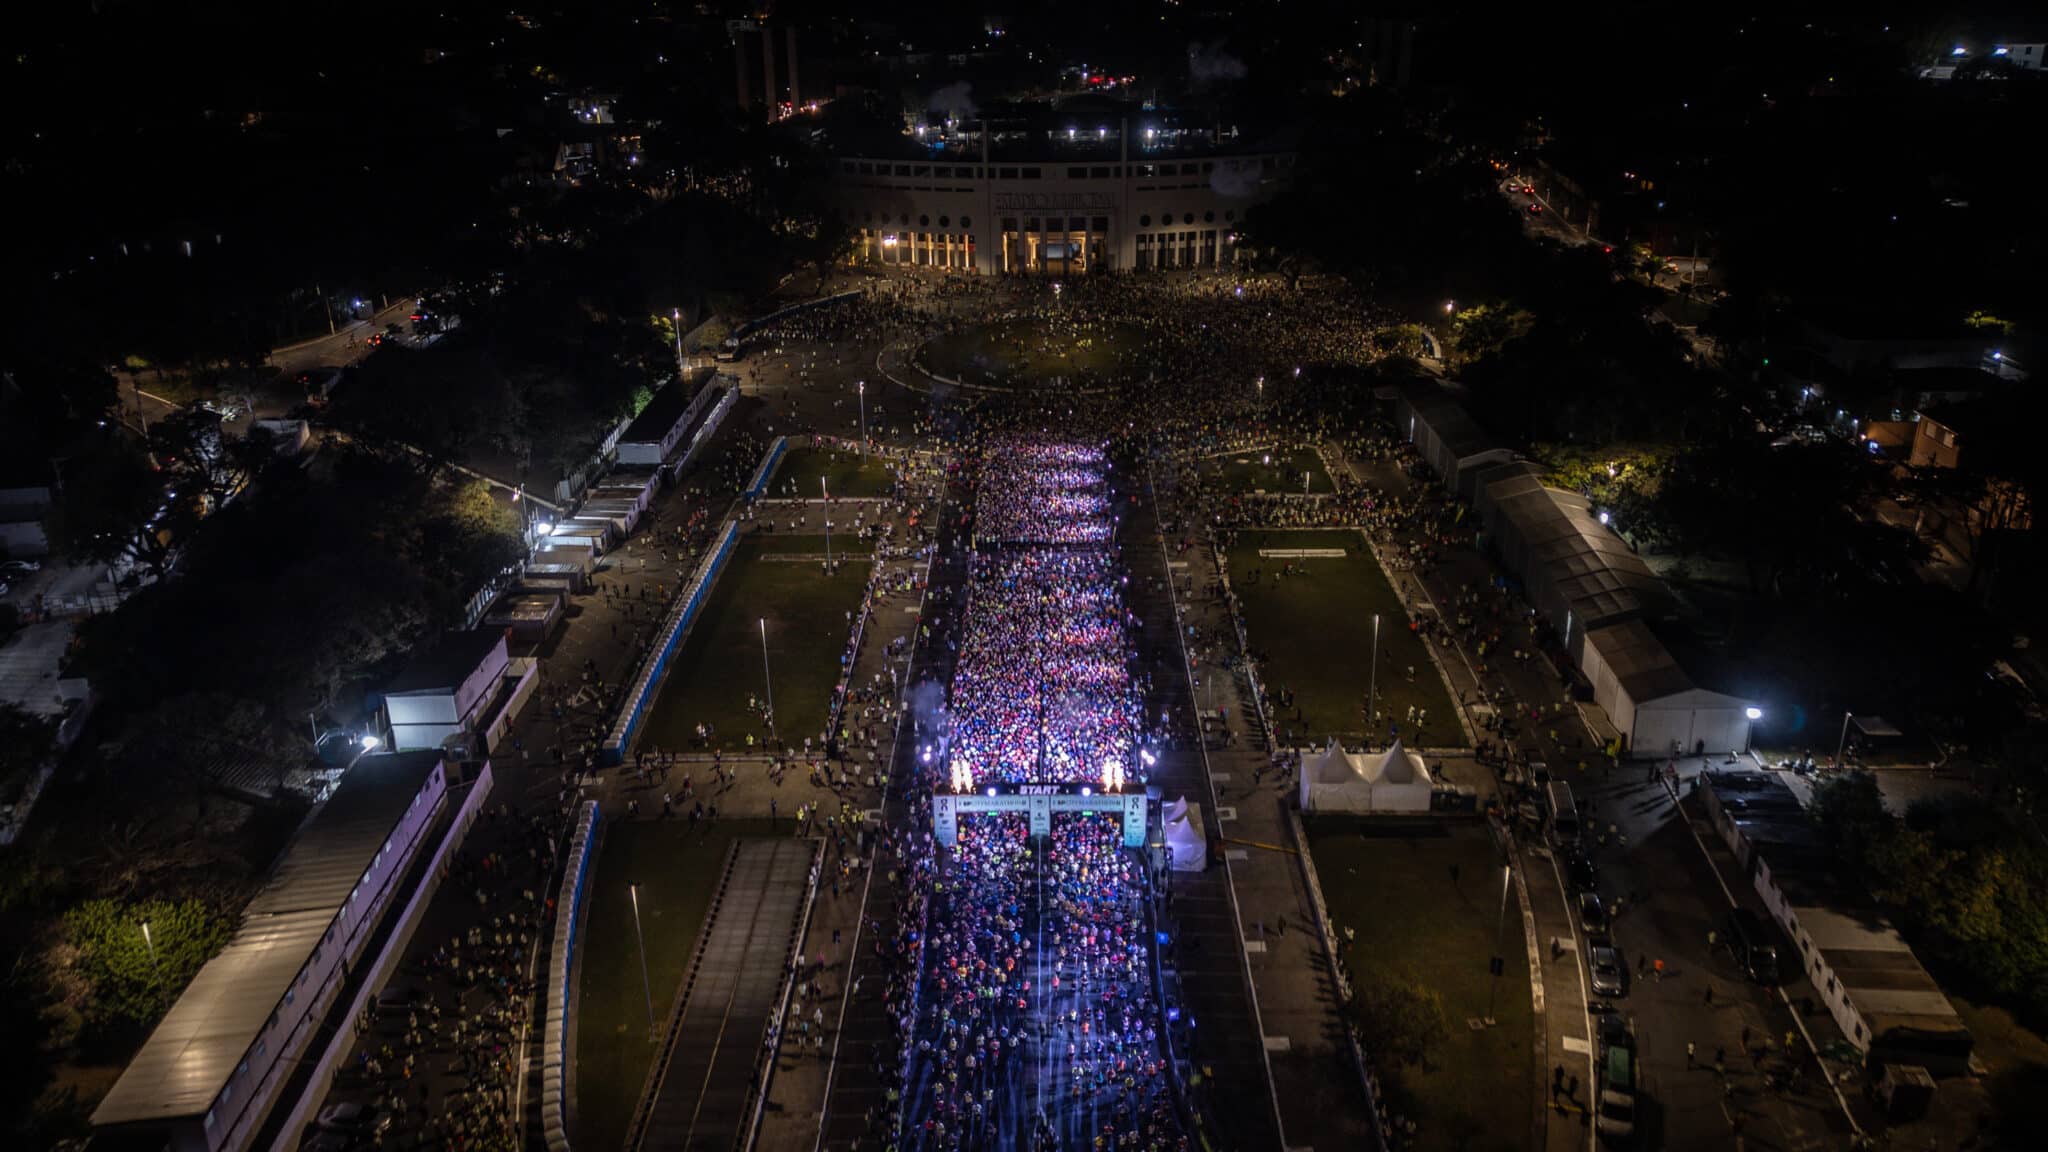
(1039, 802)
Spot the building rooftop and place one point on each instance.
(1877, 969)
(187, 1060)
(448, 663)
(526, 606)
(661, 413)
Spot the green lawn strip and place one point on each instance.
(677, 873)
(810, 541)
(1393, 887)
(719, 665)
(1316, 634)
(842, 470)
(1272, 472)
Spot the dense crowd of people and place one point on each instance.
(1020, 973)
(435, 1052)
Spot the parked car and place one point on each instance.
(1610, 971)
(20, 567)
(1592, 914)
(1579, 870)
(1615, 1109)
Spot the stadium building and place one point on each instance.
(1082, 185)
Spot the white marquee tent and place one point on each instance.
(1392, 781)
(1184, 835)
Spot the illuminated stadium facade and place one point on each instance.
(1060, 190)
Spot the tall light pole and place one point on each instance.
(150, 941)
(646, 989)
(1842, 745)
(525, 515)
(828, 522)
(676, 322)
(1500, 925)
(1372, 691)
(767, 678)
(861, 386)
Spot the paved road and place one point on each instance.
(1319, 1098)
(1286, 1014)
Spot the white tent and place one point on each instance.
(1185, 837)
(1653, 701)
(1392, 781)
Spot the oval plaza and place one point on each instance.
(1061, 189)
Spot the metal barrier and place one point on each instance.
(678, 622)
(759, 483)
(554, 1060)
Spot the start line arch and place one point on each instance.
(1039, 802)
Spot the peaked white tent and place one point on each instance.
(1184, 835)
(1392, 781)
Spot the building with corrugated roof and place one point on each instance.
(1862, 970)
(215, 1066)
(1581, 578)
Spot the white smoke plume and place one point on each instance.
(1210, 64)
(955, 101)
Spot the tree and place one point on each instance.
(1398, 1017)
(191, 444)
(1481, 330)
(115, 504)
(1787, 512)
(123, 981)
(26, 740)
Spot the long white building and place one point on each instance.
(1095, 205)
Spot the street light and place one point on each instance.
(767, 678)
(1450, 306)
(646, 988)
(861, 386)
(370, 742)
(828, 522)
(1842, 744)
(676, 322)
(1499, 927)
(1372, 691)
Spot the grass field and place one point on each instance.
(1316, 635)
(719, 665)
(1014, 352)
(677, 873)
(1391, 882)
(797, 474)
(1275, 472)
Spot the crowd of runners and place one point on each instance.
(1026, 999)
